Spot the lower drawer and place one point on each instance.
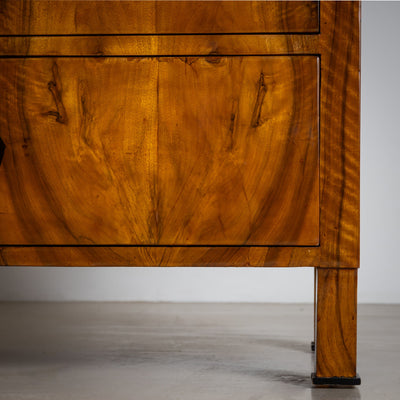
(160, 151)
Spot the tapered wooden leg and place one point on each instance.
(336, 327)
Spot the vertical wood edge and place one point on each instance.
(340, 134)
(336, 323)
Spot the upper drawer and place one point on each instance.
(80, 17)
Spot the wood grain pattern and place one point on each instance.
(244, 167)
(340, 134)
(159, 45)
(59, 181)
(39, 17)
(336, 339)
(187, 150)
(338, 45)
(160, 256)
(166, 151)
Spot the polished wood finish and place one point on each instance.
(173, 256)
(336, 323)
(166, 133)
(150, 45)
(340, 135)
(99, 17)
(339, 130)
(336, 304)
(148, 154)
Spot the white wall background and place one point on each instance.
(380, 215)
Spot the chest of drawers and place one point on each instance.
(187, 133)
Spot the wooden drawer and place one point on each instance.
(72, 17)
(160, 151)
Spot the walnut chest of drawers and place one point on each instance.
(187, 133)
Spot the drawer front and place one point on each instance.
(160, 151)
(71, 17)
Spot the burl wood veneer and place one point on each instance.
(187, 133)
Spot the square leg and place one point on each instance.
(336, 327)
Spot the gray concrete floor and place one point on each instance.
(144, 351)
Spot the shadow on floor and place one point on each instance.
(335, 393)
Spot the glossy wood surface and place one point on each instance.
(166, 151)
(187, 150)
(336, 322)
(177, 256)
(71, 17)
(337, 44)
(340, 134)
(151, 45)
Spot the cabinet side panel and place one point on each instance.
(340, 134)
